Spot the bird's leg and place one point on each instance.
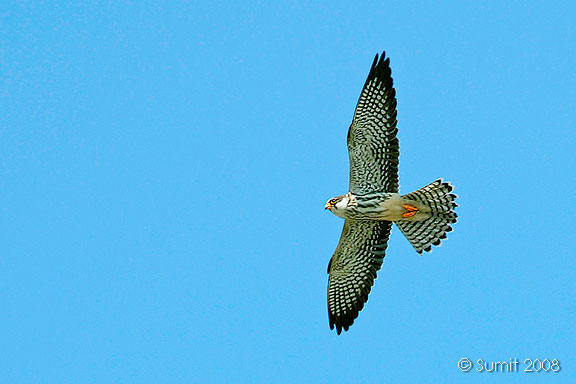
(410, 210)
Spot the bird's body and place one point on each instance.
(378, 206)
(373, 202)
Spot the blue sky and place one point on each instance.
(164, 168)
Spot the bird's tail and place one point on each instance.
(438, 203)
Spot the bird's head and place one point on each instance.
(337, 204)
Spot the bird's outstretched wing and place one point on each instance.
(372, 143)
(353, 268)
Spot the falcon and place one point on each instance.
(374, 203)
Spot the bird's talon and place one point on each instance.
(410, 210)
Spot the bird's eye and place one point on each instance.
(333, 201)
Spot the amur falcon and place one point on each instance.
(373, 202)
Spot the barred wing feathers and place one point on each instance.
(372, 143)
(353, 269)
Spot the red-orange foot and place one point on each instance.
(410, 210)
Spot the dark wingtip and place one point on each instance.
(381, 56)
(380, 69)
(343, 323)
(375, 61)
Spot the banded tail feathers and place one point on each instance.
(439, 201)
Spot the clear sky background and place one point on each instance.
(164, 168)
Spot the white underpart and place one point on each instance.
(390, 209)
(393, 209)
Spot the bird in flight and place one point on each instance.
(373, 202)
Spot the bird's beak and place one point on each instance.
(327, 206)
